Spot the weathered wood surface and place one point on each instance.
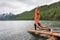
(52, 38)
(41, 32)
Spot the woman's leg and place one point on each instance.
(35, 26)
(44, 28)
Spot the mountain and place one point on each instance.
(6, 16)
(48, 12)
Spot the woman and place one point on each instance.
(37, 19)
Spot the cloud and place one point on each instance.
(19, 6)
(29, 2)
(38, 2)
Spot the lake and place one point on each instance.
(17, 30)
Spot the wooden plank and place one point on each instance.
(41, 32)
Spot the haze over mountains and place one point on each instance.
(6, 16)
(48, 12)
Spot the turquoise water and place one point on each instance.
(17, 30)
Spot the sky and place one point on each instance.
(19, 6)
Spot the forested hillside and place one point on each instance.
(48, 12)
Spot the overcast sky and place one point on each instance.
(19, 6)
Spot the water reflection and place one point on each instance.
(38, 37)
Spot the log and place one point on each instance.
(48, 33)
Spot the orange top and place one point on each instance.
(37, 15)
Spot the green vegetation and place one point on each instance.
(48, 12)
